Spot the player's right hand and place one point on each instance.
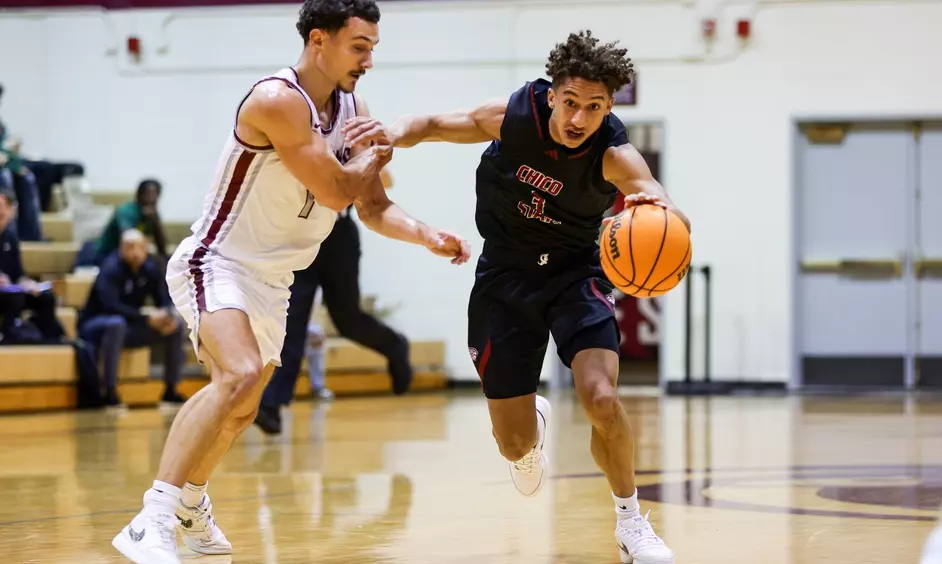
(382, 154)
(448, 244)
(365, 130)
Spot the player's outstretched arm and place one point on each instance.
(482, 124)
(278, 115)
(624, 167)
(382, 215)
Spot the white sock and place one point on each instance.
(626, 507)
(193, 494)
(163, 493)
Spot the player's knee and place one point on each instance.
(601, 403)
(241, 379)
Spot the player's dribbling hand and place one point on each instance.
(365, 130)
(636, 200)
(448, 244)
(643, 198)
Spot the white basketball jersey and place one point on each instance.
(257, 213)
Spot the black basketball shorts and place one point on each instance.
(513, 310)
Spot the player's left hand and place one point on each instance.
(448, 244)
(643, 198)
(365, 130)
(638, 199)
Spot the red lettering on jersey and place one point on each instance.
(522, 173)
(539, 204)
(537, 210)
(534, 178)
(538, 180)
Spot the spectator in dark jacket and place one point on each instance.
(113, 318)
(19, 293)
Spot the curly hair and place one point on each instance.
(581, 56)
(332, 15)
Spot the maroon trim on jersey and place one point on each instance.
(333, 119)
(249, 145)
(222, 214)
(485, 356)
(239, 109)
(598, 294)
(587, 149)
(536, 115)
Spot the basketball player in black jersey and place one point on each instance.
(557, 160)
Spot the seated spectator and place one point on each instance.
(18, 293)
(15, 176)
(139, 213)
(113, 320)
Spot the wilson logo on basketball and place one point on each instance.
(539, 180)
(612, 240)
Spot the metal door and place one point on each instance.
(854, 210)
(928, 256)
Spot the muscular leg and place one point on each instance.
(200, 435)
(595, 372)
(514, 425)
(238, 421)
(236, 381)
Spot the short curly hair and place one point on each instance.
(332, 15)
(581, 56)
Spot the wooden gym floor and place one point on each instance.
(418, 480)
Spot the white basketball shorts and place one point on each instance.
(201, 281)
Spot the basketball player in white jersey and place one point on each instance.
(281, 180)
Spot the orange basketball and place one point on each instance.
(645, 251)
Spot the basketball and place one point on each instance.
(645, 251)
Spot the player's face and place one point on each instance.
(349, 52)
(579, 106)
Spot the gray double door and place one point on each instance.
(869, 229)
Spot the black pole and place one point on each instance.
(707, 322)
(688, 329)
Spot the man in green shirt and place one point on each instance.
(139, 213)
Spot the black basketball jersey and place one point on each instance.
(535, 195)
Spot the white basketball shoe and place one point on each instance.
(639, 544)
(531, 472)
(151, 537)
(199, 529)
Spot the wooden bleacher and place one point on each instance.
(41, 378)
